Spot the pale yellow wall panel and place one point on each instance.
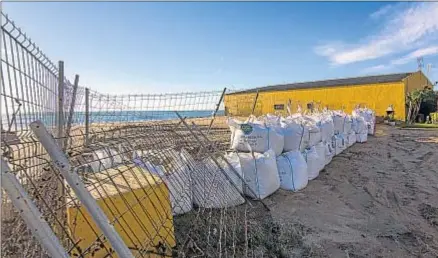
(416, 80)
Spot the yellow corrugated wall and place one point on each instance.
(375, 96)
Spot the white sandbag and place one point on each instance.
(292, 169)
(212, 188)
(178, 182)
(260, 173)
(359, 125)
(327, 128)
(314, 133)
(351, 139)
(313, 162)
(255, 137)
(105, 158)
(293, 133)
(370, 126)
(271, 120)
(369, 117)
(320, 150)
(338, 122)
(348, 125)
(342, 123)
(329, 151)
(362, 137)
(340, 143)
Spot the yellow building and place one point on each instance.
(376, 92)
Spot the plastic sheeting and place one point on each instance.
(292, 169)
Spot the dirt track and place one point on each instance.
(378, 199)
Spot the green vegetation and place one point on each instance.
(416, 98)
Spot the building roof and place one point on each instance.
(386, 78)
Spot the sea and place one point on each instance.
(21, 121)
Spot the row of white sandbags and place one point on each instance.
(295, 132)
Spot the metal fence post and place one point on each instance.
(87, 116)
(60, 115)
(61, 162)
(30, 214)
(215, 111)
(255, 103)
(71, 111)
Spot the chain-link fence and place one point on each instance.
(152, 164)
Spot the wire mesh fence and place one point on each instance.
(159, 176)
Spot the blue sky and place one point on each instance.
(126, 47)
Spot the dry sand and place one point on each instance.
(378, 199)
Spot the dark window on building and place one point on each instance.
(279, 107)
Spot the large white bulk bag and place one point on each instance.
(359, 125)
(314, 133)
(338, 122)
(212, 188)
(313, 162)
(351, 139)
(340, 143)
(294, 133)
(362, 137)
(105, 158)
(327, 129)
(369, 117)
(292, 169)
(342, 123)
(320, 150)
(255, 137)
(371, 128)
(178, 182)
(348, 125)
(260, 173)
(329, 151)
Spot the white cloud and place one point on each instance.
(422, 52)
(375, 69)
(380, 12)
(409, 28)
